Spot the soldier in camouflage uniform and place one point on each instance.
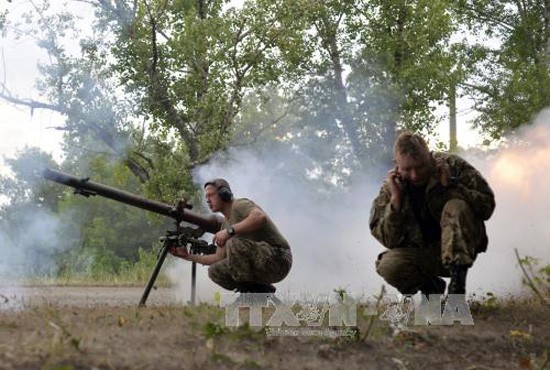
(430, 214)
(251, 253)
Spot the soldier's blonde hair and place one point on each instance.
(411, 144)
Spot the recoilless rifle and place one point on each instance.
(182, 236)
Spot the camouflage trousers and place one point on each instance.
(250, 261)
(462, 236)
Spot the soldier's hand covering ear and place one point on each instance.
(396, 186)
(444, 171)
(395, 180)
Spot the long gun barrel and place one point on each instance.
(179, 213)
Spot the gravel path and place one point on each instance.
(85, 296)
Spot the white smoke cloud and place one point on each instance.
(331, 242)
(28, 249)
(518, 175)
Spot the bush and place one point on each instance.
(90, 266)
(535, 277)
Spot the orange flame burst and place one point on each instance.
(525, 169)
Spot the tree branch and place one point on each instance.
(261, 131)
(6, 95)
(160, 93)
(488, 18)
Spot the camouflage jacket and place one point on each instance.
(399, 229)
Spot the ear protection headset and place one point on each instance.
(225, 193)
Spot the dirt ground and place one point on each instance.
(102, 328)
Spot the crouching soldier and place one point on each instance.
(430, 214)
(251, 253)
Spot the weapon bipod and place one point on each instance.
(187, 237)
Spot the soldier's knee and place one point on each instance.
(389, 266)
(458, 214)
(221, 277)
(213, 274)
(456, 207)
(219, 271)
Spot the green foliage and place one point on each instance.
(160, 87)
(405, 63)
(344, 122)
(49, 232)
(107, 226)
(491, 300)
(169, 182)
(93, 267)
(24, 183)
(140, 270)
(486, 304)
(511, 80)
(28, 228)
(212, 330)
(189, 65)
(162, 83)
(535, 277)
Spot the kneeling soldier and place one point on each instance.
(251, 253)
(430, 214)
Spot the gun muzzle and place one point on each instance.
(84, 186)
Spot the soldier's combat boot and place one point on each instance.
(434, 285)
(458, 278)
(266, 288)
(256, 288)
(256, 294)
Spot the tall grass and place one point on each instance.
(96, 269)
(535, 277)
